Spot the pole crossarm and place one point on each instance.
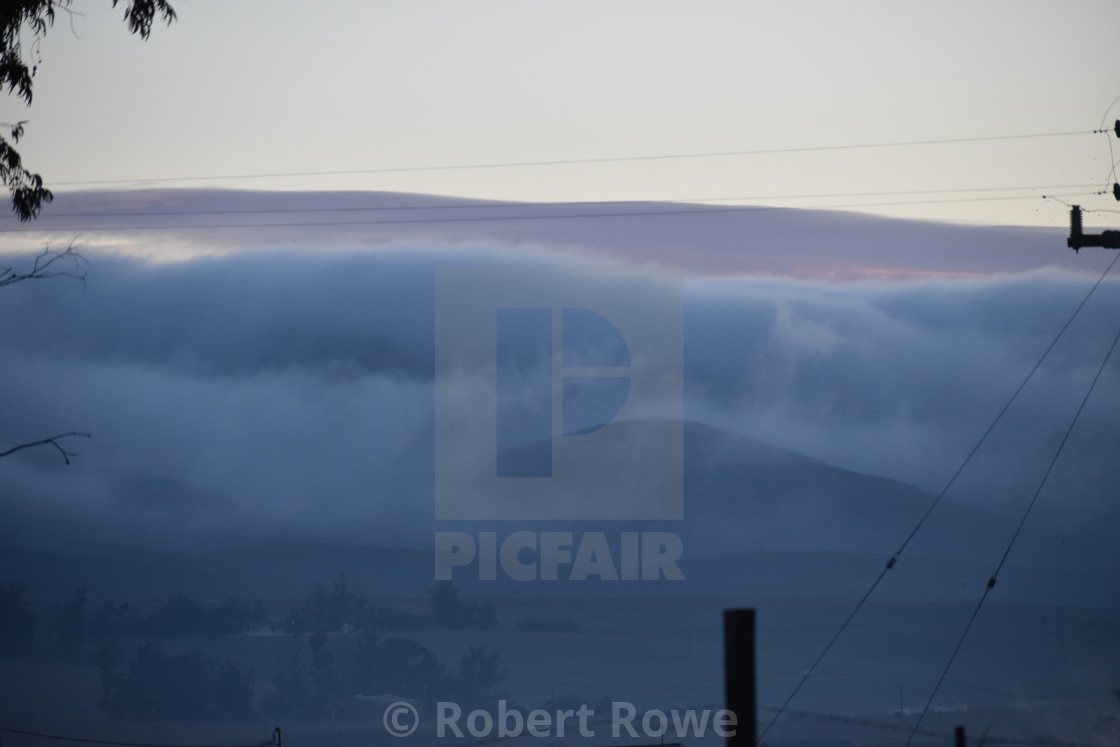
(1079, 239)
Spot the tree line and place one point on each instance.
(337, 645)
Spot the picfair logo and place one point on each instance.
(558, 393)
(589, 343)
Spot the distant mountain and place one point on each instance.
(744, 495)
(759, 520)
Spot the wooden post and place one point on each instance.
(739, 675)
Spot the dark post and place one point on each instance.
(958, 736)
(738, 675)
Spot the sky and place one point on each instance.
(266, 88)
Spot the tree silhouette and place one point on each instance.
(331, 608)
(70, 629)
(290, 688)
(479, 676)
(449, 611)
(17, 74)
(233, 691)
(189, 686)
(48, 264)
(17, 623)
(400, 666)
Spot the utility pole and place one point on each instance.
(1078, 238)
(739, 675)
(1105, 239)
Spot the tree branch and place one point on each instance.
(18, 77)
(52, 441)
(46, 266)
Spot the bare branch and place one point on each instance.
(71, 12)
(50, 264)
(52, 441)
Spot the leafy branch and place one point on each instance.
(17, 76)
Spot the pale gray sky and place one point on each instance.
(260, 87)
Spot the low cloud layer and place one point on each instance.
(290, 393)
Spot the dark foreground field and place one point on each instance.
(1027, 672)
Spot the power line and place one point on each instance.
(937, 500)
(941, 202)
(492, 205)
(1104, 117)
(575, 161)
(1022, 521)
(855, 721)
(397, 221)
(1111, 175)
(508, 218)
(875, 724)
(114, 743)
(1034, 742)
